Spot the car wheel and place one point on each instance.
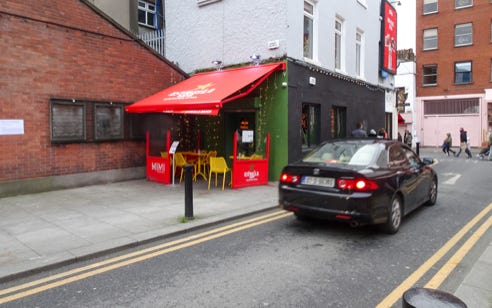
(432, 193)
(395, 214)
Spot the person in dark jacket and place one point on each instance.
(463, 144)
(447, 144)
(359, 132)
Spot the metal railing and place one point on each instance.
(155, 40)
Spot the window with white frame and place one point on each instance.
(146, 13)
(430, 7)
(308, 38)
(463, 72)
(359, 53)
(430, 39)
(463, 35)
(458, 4)
(339, 48)
(429, 73)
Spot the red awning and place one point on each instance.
(204, 93)
(401, 120)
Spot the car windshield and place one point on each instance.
(349, 153)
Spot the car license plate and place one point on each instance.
(318, 181)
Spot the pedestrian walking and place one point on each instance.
(487, 147)
(359, 132)
(464, 144)
(407, 138)
(447, 143)
(382, 134)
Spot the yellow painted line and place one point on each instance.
(447, 268)
(213, 235)
(130, 255)
(397, 293)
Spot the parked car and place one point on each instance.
(359, 181)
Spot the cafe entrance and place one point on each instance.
(204, 95)
(242, 122)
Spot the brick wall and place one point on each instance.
(65, 49)
(480, 52)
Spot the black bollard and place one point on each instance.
(188, 173)
(417, 148)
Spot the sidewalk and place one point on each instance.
(63, 226)
(59, 227)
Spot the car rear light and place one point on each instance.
(289, 178)
(357, 184)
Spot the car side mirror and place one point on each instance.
(428, 160)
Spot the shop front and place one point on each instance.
(226, 117)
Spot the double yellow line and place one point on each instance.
(447, 268)
(40, 285)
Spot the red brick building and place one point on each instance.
(454, 70)
(66, 73)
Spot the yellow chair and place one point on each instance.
(206, 161)
(218, 165)
(179, 161)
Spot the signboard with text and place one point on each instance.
(389, 48)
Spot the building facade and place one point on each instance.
(332, 50)
(143, 18)
(454, 70)
(405, 85)
(66, 74)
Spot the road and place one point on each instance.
(273, 260)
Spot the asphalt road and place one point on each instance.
(282, 262)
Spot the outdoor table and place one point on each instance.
(198, 156)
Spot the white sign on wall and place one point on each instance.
(173, 147)
(248, 136)
(11, 127)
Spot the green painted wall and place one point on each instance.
(272, 118)
(269, 102)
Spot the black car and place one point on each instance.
(359, 181)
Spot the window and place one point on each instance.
(108, 122)
(396, 155)
(463, 72)
(491, 70)
(86, 121)
(359, 54)
(430, 39)
(338, 117)
(308, 30)
(429, 75)
(463, 35)
(491, 30)
(146, 13)
(452, 106)
(339, 48)
(310, 125)
(458, 4)
(67, 121)
(430, 6)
